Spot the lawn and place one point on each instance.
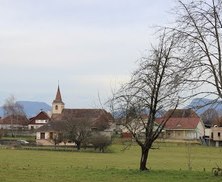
(167, 163)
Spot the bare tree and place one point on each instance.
(210, 117)
(78, 130)
(153, 87)
(13, 109)
(198, 28)
(57, 138)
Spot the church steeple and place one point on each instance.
(57, 104)
(58, 98)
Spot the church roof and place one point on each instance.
(97, 117)
(58, 98)
(82, 113)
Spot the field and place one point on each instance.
(168, 162)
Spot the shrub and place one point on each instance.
(100, 141)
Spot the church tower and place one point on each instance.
(57, 104)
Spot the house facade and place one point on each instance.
(15, 122)
(39, 120)
(50, 132)
(213, 136)
(184, 124)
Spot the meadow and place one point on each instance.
(167, 162)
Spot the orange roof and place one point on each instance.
(180, 123)
(180, 119)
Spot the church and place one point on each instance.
(99, 120)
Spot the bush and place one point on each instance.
(100, 141)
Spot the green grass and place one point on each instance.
(168, 163)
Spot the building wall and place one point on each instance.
(48, 141)
(57, 108)
(186, 134)
(181, 134)
(13, 126)
(217, 133)
(200, 129)
(208, 132)
(191, 134)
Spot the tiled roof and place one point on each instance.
(17, 120)
(181, 119)
(180, 123)
(52, 126)
(41, 116)
(91, 114)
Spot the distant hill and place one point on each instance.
(31, 108)
(202, 104)
(199, 105)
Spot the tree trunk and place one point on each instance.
(78, 145)
(143, 159)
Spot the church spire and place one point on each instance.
(57, 104)
(58, 98)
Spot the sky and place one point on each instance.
(90, 47)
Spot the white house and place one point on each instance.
(184, 124)
(38, 121)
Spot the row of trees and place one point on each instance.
(187, 59)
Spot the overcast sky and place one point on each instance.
(90, 46)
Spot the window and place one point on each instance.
(218, 134)
(41, 121)
(42, 135)
(56, 107)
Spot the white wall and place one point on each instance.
(200, 130)
(208, 132)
